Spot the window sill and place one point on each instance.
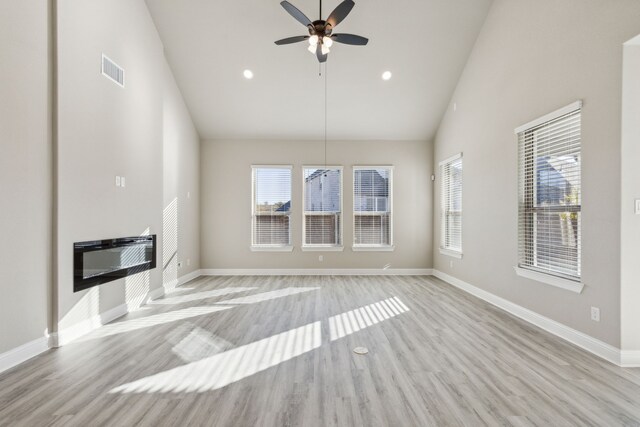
(373, 248)
(449, 252)
(271, 248)
(318, 248)
(548, 279)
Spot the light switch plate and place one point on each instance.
(637, 207)
(117, 181)
(122, 181)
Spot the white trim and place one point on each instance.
(323, 167)
(73, 332)
(253, 198)
(257, 248)
(451, 253)
(320, 248)
(272, 167)
(548, 279)
(365, 167)
(450, 159)
(630, 358)
(155, 294)
(189, 277)
(339, 213)
(317, 272)
(551, 116)
(355, 213)
(582, 340)
(20, 354)
(360, 248)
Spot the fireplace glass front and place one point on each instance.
(102, 261)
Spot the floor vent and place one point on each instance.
(111, 70)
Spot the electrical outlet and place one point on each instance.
(450, 264)
(117, 181)
(123, 182)
(595, 314)
(179, 264)
(320, 258)
(188, 261)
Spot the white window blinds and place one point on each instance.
(271, 206)
(322, 194)
(372, 206)
(451, 204)
(549, 194)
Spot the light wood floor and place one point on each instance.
(277, 351)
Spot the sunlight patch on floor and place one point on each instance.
(266, 296)
(199, 295)
(236, 364)
(192, 343)
(149, 321)
(355, 320)
(233, 365)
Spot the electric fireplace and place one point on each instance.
(101, 261)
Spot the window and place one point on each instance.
(451, 206)
(271, 205)
(549, 194)
(322, 195)
(372, 207)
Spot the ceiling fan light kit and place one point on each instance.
(321, 35)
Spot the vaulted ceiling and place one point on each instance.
(424, 43)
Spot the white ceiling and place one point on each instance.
(425, 43)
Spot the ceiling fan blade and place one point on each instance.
(290, 40)
(340, 12)
(350, 39)
(293, 11)
(321, 57)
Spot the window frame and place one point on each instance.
(269, 247)
(527, 203)
(320, 247)
(373, 247)
(445, 250)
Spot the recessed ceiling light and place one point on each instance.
(248, 74)
(386, 75)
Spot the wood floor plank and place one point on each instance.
(278, 351)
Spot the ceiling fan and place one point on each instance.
(320, 32)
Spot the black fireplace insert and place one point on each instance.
(101, 261)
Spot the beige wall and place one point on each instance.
(25, 172)
(226, 202)
(181, 186)
(630, 222)
(531, 58)
(106, 130)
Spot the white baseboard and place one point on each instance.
(65, 336)
(17, 355)
(155, 294)
(630, 358)
(73, 332)
(592, 345)
(317, 272)
(189, 277)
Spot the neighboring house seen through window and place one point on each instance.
(322, 198)
(451, 206)
(372, 226)
(271, 205)
(549, 211)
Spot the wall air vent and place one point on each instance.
(112, 71)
